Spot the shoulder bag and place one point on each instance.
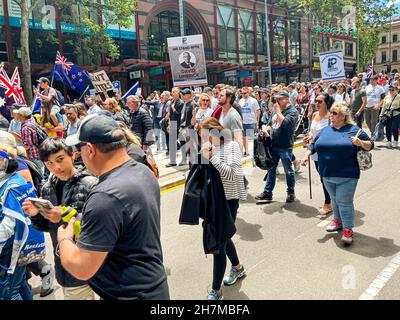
(364, 157)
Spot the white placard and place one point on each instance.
(100, 81)
(332, 66)
(188, 62)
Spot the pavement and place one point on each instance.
(284, 247)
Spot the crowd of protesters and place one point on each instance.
(79, 156)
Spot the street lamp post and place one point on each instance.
(181, 18)
(268, 44)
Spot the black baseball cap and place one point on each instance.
(95, 128)
(282, 94)
(186, 91)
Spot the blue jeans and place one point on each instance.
(285, 155)
(342, 192)
(15, 286)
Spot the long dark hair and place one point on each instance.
(329, 100)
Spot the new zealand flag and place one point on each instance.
(70, 74)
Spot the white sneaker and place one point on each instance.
(388, 144)
(395, 144)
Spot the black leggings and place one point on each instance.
(392, 128)
(326, 193)
(228, 249)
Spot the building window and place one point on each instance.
(394, 38)
(394, 56)
(279, 37)
(246, 36)
(349, 50)
(383, 56)
(261, 35)
(226, 33)
(383, 39)
(294, 42)
(165, 25)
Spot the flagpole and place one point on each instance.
(84, 92)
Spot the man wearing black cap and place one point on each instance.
(119, 249)
(186, 124)
(174, 117)
(281, 126)
(48, 93)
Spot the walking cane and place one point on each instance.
(309, 176)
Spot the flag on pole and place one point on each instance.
(67, 72)
(36, 105)
(370, 71)
(12, 86)
(135, 89)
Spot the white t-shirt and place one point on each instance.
(338, 98)
(373, 95)
(201, 114)
(249, 110)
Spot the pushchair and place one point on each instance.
(302, 122)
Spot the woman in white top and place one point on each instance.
(342, 91)
(225, 155)
(203, 111)
(320, 120)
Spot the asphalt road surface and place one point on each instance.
(284, 247)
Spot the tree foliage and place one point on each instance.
(371, 16)
(91, 37)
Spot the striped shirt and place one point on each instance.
(228, 161)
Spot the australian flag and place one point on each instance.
(70, 74)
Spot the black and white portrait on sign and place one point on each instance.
(187, 60)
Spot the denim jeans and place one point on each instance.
(342, 192)
(15, 286)
(285, 155)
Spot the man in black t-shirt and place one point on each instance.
(119, 249)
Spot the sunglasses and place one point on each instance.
(334, 113)
(391, 89)
(205, 100)
(319, 101)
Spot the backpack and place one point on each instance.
(262, 152)
(151, 163)
(41, 134)
(60, 98)
(37, 176)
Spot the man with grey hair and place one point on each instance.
(140, 122)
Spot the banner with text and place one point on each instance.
(188, 62)
(100, 81)
(332, 66)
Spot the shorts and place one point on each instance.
(78, 293)
(249, 129)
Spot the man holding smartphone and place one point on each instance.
(281, 126)
(67, 186)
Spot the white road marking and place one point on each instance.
(302, 235)
(324, 223)
(380, 281)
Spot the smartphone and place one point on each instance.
(41, 204)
